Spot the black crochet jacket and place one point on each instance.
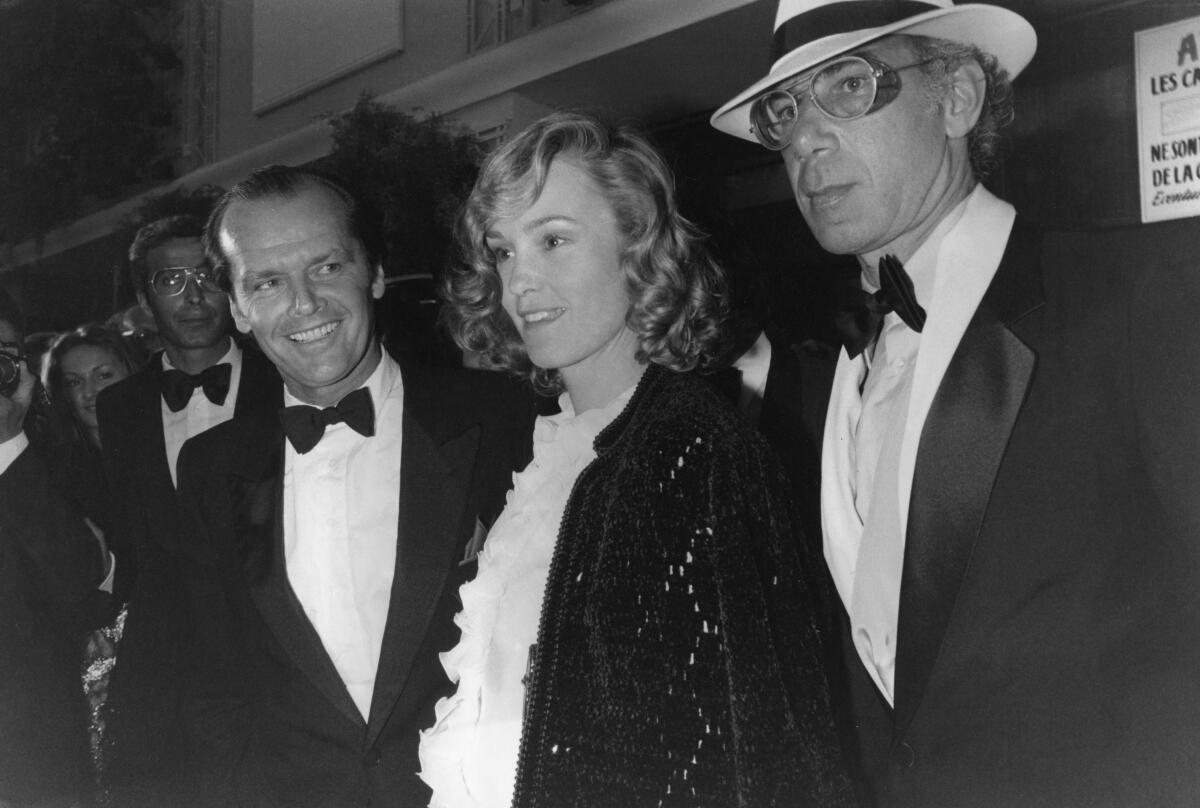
(677, 661)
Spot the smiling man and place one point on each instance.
(1009, 458)
(336, 533)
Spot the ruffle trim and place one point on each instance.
(562, 447)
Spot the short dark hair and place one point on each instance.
(154, 234)
(288, 181)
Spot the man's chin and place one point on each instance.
(203, 339)
(340, 369)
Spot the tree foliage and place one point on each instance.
(84, 89)
(415, 172)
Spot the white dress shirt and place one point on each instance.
(755, 366)
(871, 437)
(341, 512)
(469, 757)
(11, 449)
(200, 414)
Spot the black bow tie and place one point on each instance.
(867, 312)
(304, 425)
(177, 386)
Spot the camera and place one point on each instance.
(10, 372)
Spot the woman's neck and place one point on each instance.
(590, 391)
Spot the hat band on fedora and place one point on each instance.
(839, 18)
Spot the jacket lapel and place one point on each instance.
(147, 424)
(256, 489)
(259, 387)
(144, 431)
(437, 459)
(961, 445)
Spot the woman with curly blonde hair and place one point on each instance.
(675, 290)
(640, 630)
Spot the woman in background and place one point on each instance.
(79, 364)
(50, 566)
(641, 629)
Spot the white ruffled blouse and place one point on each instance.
(469, 756)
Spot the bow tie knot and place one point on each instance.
(305, 425)
(177, 386)
(896, 294)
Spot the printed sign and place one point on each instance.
(1168, 102)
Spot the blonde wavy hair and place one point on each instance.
(676, 290)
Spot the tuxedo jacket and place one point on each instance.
(792, 416)
(145, 747)
(50, 566)
(1048, 620)
(273, 722)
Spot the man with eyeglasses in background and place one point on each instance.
(201, 378)
(1011, 446)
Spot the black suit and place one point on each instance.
(274, 722)
(50, 566)
(1048, 623)
(145, 749)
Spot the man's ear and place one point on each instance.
(378, 284)
(239, 316)
(963, 103)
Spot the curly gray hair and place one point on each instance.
(940, 58)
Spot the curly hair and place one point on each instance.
(941, 57)
(65, 427)
(676, 290)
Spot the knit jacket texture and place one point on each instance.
(677, 661)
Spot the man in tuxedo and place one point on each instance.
(1009, 456)
(336, 534)
(51, 567)
(200, 379)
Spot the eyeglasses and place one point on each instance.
(171, 281)
(844, 90)
(11, 357)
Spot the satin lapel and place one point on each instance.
(434, 480)
(257, 496)
(148, 425)
(260, 387)
(962, 443)
(151, 462)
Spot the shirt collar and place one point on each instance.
(922, 266)
(381, 383)
(232, 357)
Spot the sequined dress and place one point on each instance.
(677, 662)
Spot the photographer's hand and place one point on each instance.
(13, 409)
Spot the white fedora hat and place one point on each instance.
(807, 32)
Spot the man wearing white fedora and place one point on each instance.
(1010, 455)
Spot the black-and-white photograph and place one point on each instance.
(599, 403)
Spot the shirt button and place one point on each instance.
(904, 756)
